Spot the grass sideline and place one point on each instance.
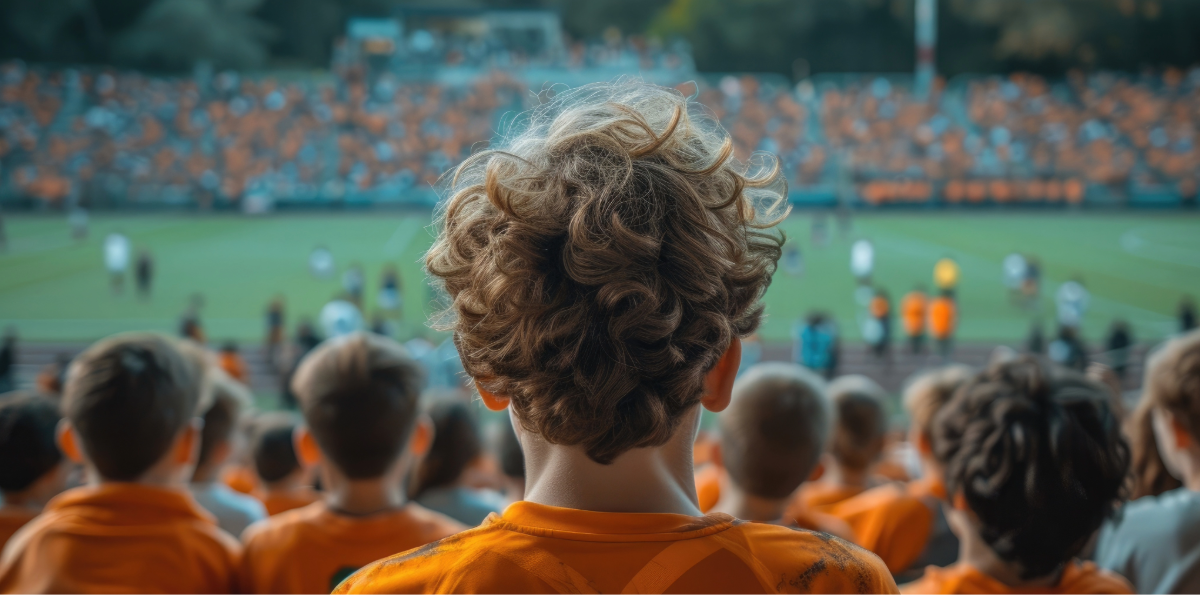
(1136, 265)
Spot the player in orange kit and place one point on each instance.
(601, 270)
(32, 469)
(359, 395)
(856, 446)
(285, 482)
(771, 440)
(130, 408)
(943, 320)
(1034, 463)
(904, 523)
(912, 311)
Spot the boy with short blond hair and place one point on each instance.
(359, 395)
(601, 268)
(130, 410)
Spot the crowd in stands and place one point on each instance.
(601, 329)
(85, 135)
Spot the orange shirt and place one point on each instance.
(535, 549)
(942, 317)
(234, 366)
(282, 501)
(240, 478)
(312, 549)
(889, 521)
(708, 487)
(121, 538)
(13, 518)
(821, 496)
(1077, 578)
(913, 309)
(817, 521)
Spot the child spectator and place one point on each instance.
(359, 397)
(130, 408)
(440, 482)
(219, 442)
(859, 425)
(232, 363)
(1153, 541)
(904, 524)
(771, 439)
(1034, 462)
(601, 270)
(284, 482)
(32, 469)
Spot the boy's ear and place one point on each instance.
(422, 436)
(718, 383)
(493, 402)
(1182, 438)
(187, 444)
(308, 453)
(67, 442)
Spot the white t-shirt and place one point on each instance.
(234, 510)
(1155, 543)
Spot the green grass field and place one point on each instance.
(1136, 265)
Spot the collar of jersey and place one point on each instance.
(112, 499)
(569, 523)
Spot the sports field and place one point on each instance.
(1136, 265)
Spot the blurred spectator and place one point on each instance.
(1068, 350)
(8, 360)
(816, 344)
(913, 310)
(442, 480)
(1187, 314)
(230, 361)
(1120, 342)
(143, 272)
(943, 321)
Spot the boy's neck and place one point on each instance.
(207, 474)
(297, 480)
(842, 476)
(642, 480)
(975, 552)
(737, 503)
(362, 497)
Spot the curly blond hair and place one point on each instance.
(602, 258)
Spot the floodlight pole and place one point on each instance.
(926, 38)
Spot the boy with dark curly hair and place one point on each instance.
(1033, 462)
(601, 268)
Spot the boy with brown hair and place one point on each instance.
(601, 268)
(219, 441)
(32, 468)
(859, 427)
(771, 438)
(903, 523)
(130, 411)
(359, 395)
(284, 482)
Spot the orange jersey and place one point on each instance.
(282, 501)
(708, 487)
(538, 549)
(817, 521)
(13, 518)
(821, 496)
(943, 317)
(913, 310)
(312, 549)
(121, 538)
(879, 307)
(240, 478)
(890, 522)
(1077, 579)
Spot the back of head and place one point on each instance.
(775, 428)
(272, 447)
(1038, 457)
(230, 399)
(128, 397)
(1172, 381)
(859, 421)
(359, 394)
(28, 449)
(456, 442)
(600, 262)
(927, 392)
